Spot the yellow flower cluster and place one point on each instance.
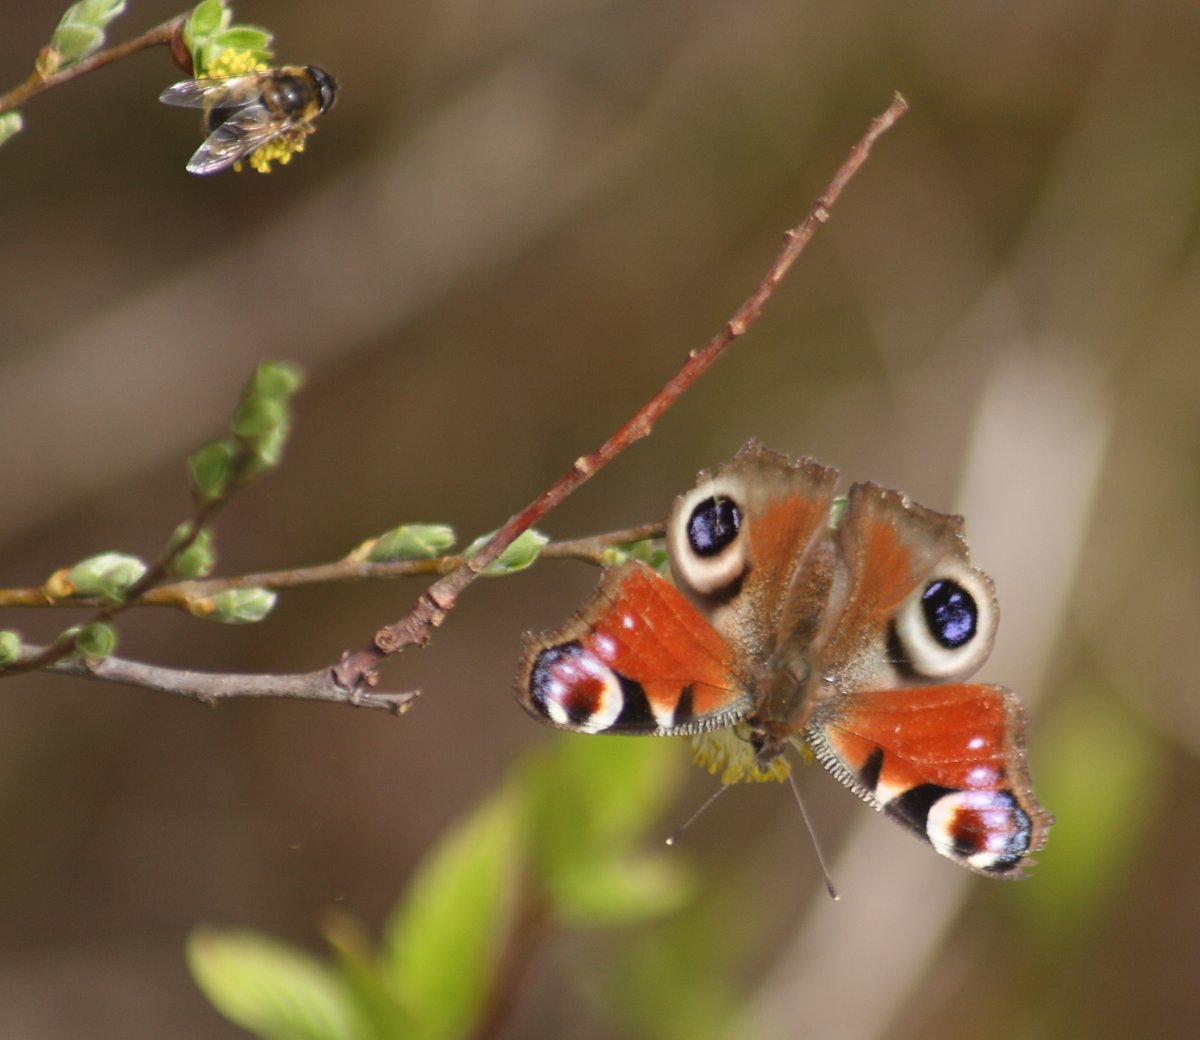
(279, 149)
(729, 754)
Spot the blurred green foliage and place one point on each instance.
(561, 844)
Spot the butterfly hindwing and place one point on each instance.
(947, 762)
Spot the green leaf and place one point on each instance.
(267, 449)
(244, 38)
(71, 43)
(107, 575)
(593, 802)
(11, 124)
(236, 606)
(522, 553)
(198, 559)
(211, 469)
(622, 890)
(10, 647)
(374, 999)
(97, 640)
(407, 542)
(80, 32)
(269, 988)
(277, 379)
(99, 12)
(258, 417)
(207, 17)
(441, 945)
(650, 551)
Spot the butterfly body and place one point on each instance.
(853, 639)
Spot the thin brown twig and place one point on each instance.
(65, 644)
(352, 681)
(431, 608)
(211, 687)
(181, 594)
(36, 83)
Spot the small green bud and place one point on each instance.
(268, 449)
(261, 424)
(258, 416)
(11, 124)
(277, 379)
(96, 641)
(836, 510)
(10, 647)
(244, 38)
(198, 559)
(407, 542)
(650, 551)
(521, 554)
(80, 32)
(211, 469)
(207, 17)
(107, 575)
(235, 606)
(207, 34)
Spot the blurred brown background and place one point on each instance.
(508, 233)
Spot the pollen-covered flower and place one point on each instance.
(279, 149)
(729, 754)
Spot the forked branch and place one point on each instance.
(435, 602)
(354, 678)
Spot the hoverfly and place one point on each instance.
(243, 113)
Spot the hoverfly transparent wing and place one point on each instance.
(211, 93)
(232, 140)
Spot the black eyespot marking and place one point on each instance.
(950, 613)
(714, 523)
(545, 682)
(997, 827)
(1004, 821)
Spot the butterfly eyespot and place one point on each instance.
(945, 630)
(706, 540)
(714, 523)
(573, 688)
(987, 829)
(950, 613)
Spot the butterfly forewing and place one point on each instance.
(637, 658)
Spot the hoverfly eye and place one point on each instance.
(326, 86)
(714, 523)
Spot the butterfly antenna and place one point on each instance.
(675, 835)
(833, 893)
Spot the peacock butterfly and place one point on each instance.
(797, 620)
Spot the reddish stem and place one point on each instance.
(36, 83)
(435, 602)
